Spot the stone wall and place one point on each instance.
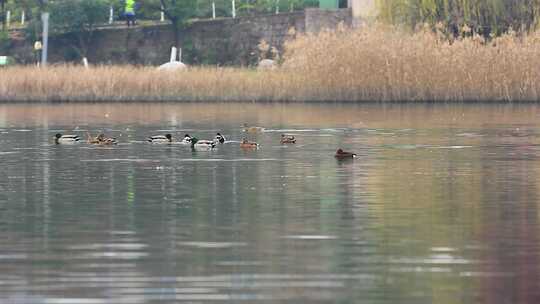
(234, 41)
(317, 20)
(223, 41)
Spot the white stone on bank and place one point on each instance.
(267, 64)
(172, 66)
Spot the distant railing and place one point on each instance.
(226, 9)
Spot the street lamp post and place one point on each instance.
(45, 20)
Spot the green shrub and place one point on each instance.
(5, 42)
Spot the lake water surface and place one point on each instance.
(440, 206)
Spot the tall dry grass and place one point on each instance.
(128, 83)
(369, 64)
(390, 65)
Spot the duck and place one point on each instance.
(249, 129)
(287, 139)
(167, 138)
(66, 139)
(340, 154)
(202, 144)
(220, 138)
(101, 139)
(187, 140)
(245, 144)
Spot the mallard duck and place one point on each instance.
(101, 139)
(287, 139)
(167, 138)
(186, 140)
(245, 144)
(340, 154)
(220, 138)
(202, 144)
(249, 129)
(66, 139)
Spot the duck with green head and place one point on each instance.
(220, 138)
(186, 140)
(66, 139)
(202, 144)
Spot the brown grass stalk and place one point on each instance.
(369, 64)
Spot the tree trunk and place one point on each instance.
(83, 44)
(3, 4)
(175, 22)
(176, 32)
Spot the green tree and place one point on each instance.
(33, 9)
(178, 12)
(482, 16)
(78, 18)
(3, 12)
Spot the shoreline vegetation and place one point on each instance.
(376, 63)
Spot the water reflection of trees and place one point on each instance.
(510, 225)
(470, 211)
(313, 116)
(406, 209)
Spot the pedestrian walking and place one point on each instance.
(129, 12)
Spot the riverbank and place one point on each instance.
(370, 64)
(131, 84)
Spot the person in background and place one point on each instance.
(37, 50)
(129, 12)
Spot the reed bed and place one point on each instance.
(370, 64)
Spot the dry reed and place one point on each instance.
(369, 64)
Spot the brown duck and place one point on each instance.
(340, 154)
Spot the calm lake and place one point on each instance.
(440, 206)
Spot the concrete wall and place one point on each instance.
(363, 8)
(223, 41)
(362, 11)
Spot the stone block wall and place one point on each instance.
(317, 20)
(234, 41)
(224, 41)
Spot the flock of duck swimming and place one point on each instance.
(195, 143)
